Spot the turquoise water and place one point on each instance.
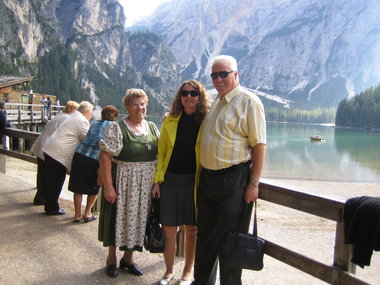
(346, 154)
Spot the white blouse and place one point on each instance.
(64, 141)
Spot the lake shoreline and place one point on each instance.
(332, 125)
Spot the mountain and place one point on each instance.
(80, 50)
(304, 54)
(312, 53)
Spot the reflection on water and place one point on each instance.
(344, 155)
(361, 146)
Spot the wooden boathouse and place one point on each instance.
(26, 108)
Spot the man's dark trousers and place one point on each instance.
(220, 203)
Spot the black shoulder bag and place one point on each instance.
(243, 250)
(154, 236)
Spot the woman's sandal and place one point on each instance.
(77, 221)
(90, 219)
(165, 281)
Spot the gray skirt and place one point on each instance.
(177, 200)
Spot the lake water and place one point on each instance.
(345, 155)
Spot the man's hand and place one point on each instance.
(251, 193)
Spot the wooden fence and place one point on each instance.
(19, 113)
(340, 272)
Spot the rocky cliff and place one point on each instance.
(313, 53)
(81, 50)
(305, 54)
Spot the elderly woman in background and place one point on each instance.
(176, 173)
(127, 163)
(59, 150)
(49, 129)
(86, 163)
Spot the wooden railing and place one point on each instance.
(16, 147)
(19, 113)
(340, 272)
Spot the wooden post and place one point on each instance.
(181, 242)
(19, 115)
(96, 208)
(342, 255)
(21, 145)
(31, 114)
(3, 163)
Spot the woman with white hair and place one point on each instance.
(59, 150)
(127, 161)
(49, 129)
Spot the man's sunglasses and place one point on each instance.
(221, 74)
(193, 93)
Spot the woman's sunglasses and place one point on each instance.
(193, 93)
(221, 74)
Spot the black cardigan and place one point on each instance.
(362, 227)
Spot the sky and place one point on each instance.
(137, 9)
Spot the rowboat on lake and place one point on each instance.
(317, 137)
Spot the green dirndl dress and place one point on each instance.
(122, 224)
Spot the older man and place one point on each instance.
(232, 152)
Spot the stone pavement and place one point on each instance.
(40, 249)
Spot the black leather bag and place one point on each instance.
(243, 250)
(154, 236)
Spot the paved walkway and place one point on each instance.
(38, 249)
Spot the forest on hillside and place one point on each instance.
(317, 116)
(360, 111)
(56, 76)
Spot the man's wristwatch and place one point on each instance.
(255, 182)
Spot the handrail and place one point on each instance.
(323, 207)
(23, 135)
(19, 113)
(328, 208)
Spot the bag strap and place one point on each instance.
(155, 207)
(244, 217)
(255, 222)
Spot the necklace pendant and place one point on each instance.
(148, 146)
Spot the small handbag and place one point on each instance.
(243, 250)
(154, 236)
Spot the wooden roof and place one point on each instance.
(6, 80)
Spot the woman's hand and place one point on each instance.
(110, 194)
(156, 190)
(105, 169)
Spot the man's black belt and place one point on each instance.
(226, 170)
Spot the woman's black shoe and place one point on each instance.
(133, 268)
(111, 270)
